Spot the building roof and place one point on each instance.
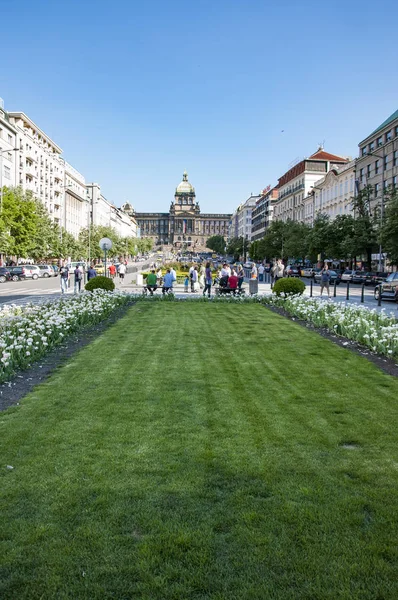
(390, 119)
(322, 155)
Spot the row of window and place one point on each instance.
(380, 141)
(387, 163)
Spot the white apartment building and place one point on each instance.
(332, 195)
(103, 213)
(240, 223)
(76, 205)
(262, 213)
(295, 185)
(8, 155)
(38, 165)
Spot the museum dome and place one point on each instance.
(185, 187)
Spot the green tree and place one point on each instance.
(238, 247)
(365, 239)
(389, 228)
(19, 221)
(216, 243)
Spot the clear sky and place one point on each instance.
(231, 90)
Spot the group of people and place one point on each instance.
(78, 275)
(155, 280)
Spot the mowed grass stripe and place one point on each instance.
(196, 451)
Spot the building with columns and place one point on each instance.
(299, 181)
(184, 225)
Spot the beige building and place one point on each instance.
(38, 165)
(76, 205)
(331, 195)
(377, 164)
(297, 183)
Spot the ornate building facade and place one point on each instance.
(184, 226)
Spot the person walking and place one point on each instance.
(91, 273)
(186, 284)
(202, 274)
(194, 279)
(261, 270)
(78, 279)
(277, 271)
(325, 279)
(208, 280)
(241, 277)
(112, 271)
(64, 274)
(173, 275)
(122, 271)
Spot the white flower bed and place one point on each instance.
(27, 333)
(376, 330)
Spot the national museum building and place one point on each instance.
(184, 225)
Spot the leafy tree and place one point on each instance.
(389, 228)
(19, 222)
(238, 247)
(216, 243)
(364, 228)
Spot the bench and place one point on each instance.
(219, 291)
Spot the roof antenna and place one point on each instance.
(321, 145)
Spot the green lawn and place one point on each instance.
(202, 451)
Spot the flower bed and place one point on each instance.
(29, 332)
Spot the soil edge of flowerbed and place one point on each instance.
(23, 382)
(388, 365)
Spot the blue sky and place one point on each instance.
(136, 92)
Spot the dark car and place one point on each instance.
(388, 290)
(380, 277)
(358, 277)
(334, 277)
(292, 271)
(5, 274)
(17, 273)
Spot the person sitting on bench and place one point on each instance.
(167, 282)
(233, 282)
(151, 280)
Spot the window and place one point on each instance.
(377, 185)
(9, 139)
(379, 141)
(369, 169)
(395, 158)
(377, 166)
(388, 135)
(360, 174)
(386, 163)
(394, 182)
(396, 131)
(364, 151)
(371, 146)
(385, 185)
(7, 172)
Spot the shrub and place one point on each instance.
(100, 283)
(289, 287)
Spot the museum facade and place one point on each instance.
(184, 225)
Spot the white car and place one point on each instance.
(32, 271)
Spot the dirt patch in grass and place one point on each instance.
(24, 381)
(387, 365)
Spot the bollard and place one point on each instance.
(363, 293)
(334, 288)
(311, 288)
(348, 291)
(379, 298)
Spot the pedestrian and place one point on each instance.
(64, 274)
(208, 280)
(202, 274)
(91, 273)
(194, 279)
(241, 277)
(277, 271)
(167, 282)
(173, 275)
(78, 279)
(186, 284)
(261, 270)
(112, 271)
(122, 271)
(253, 272)
(325, 279)
(151, 282)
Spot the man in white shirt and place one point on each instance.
(261, 272)
(122, 271)
(173, 273)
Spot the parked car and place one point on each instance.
(31, 271)
(358, 277)
(99, 269)
(74, 264)
(307, 271)
(5, 274)
(380, 277)
(347, 275)
(17, 273)
(46, 271)
(315, 271)
(388, 290)
(334, 277)
(369, 278)
(292, 271)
